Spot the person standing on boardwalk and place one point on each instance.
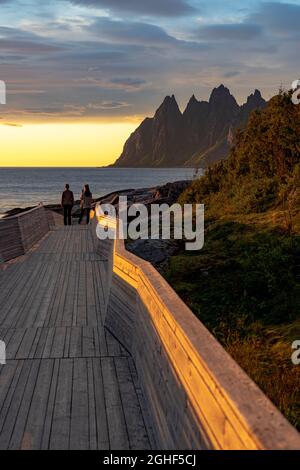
(67, 202)
(86, 201)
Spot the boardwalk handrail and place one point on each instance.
(18, 233)
(197, 395)
(22, 214)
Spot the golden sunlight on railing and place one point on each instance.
(197, 395)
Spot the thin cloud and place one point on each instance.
(28, 47)
(109, 105)
(237, 31)
(234, 73)
(130, 32)
(168, 8)
(55, 65)
(12, 124)
(130, 82)
(118, 83)
(282, 18)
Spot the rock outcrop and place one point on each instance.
(199, 136)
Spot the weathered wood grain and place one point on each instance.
(59, 388)
(20, 232)
(197, 396)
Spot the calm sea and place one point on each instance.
(24, 187)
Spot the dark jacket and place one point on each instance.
(67, 198)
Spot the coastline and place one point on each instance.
(160, 193)
(157, 252)
(24, 188)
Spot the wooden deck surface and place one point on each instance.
(67, 384)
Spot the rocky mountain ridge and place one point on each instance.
(201, 135)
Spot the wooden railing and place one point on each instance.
(196, 394)
(20, 232)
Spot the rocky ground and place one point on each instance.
(157, 252)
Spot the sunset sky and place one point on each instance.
(82, 74)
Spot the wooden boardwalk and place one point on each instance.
(68, 383)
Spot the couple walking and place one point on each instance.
(67, 202)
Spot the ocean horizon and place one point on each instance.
(22, 187)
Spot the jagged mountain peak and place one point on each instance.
(169, 101)
(255, 98)
(222, 94)
(219, 91)
(168, 106)
(204, 130)
(193, 99)
(254, 101)
(192, 106)
(196, 108)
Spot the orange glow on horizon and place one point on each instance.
(63, 145)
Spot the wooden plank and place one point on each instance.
(93, 444)
(45, 441)
(60, 394)
(58, 344)
(75, 349)
(75, 301)
(6, 335)
(10, 411)
(60, 431)
(8, 376)
(137, 433)
(118, 436)
(12, 277)
(30, 310)
(90, 295)
(88, 342)
(20, 423)
(81, 302)
(79, 433)
(101, 287)
(22, 307)
(48, 343)
(41, 343)
(67, 342)
(71, 293)
(62, 295)
(48, 294)
(113, 346)
(143, 405)
(35, 343)
(59, 293)
(100, 406)
(13, 339)
(100, 341)
(33, 433)
(26, 344)
(99, 301)
(12, 308)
